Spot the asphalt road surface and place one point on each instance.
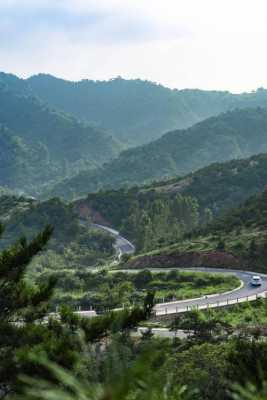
(122, 245)
(244, 293)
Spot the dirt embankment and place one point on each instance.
(84, 211)
(189, 259)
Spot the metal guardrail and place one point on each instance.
(223, 303)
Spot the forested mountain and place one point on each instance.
(219, 186)
(164, 211)
(73, 245)
(238, 238)
(148, 219)
(209, 191)
(233, 135)
(135, 111)
(39, 144)
(251, 214)
(20, 164)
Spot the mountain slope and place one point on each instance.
(75, 244)
(20, 164)
(232, 135)
(220, 186)
(64, 137)
(217, 187)
(237, 239)
(50, 141)
(135, 110)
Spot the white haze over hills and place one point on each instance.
(180, 43)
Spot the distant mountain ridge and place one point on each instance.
(138, 111)
(134, 111)
(69, 134)
(233, 135)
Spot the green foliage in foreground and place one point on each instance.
(158, 369)
(26, 328)
(57, 357)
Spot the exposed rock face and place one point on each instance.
(189, 259)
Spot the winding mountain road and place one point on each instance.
(122, 245)
(246, 292)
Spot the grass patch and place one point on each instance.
(105, 290)
(245, 314)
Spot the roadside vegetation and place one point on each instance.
(95, 359)
(251, 314)
(236, 239)
(150, 219)
(106, 290)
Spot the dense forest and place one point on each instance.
(232, 135)
(148, 219)
(77, 320)
(237, 238)
(219, 186)
(49, 150)
(39, 145)
(98, 358)
(213, 189)
(135, 111)
(73, 244)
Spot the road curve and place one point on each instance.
(122, 245)
(245, 293)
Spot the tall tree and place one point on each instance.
(20, 304)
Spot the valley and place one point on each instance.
(127, 207)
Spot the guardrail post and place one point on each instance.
(166, 310)
(176, 310)
(237, 300)
(218, 303)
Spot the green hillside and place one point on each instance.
(238, 239)
(43, 144)
(148, 219)
(72, 246)
(137, 111)
(22, 165)
(205, 194)
(232, 135)
(219, 186)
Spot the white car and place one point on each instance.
(256, 280)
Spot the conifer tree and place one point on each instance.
(20, 304)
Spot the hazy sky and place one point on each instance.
(210, 44)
